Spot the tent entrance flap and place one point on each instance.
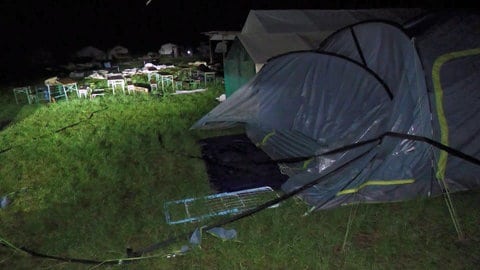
(234, 163)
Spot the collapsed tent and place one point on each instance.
(364, 116)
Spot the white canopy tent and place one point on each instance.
(91, 52)
(169, 49)
(268, 33)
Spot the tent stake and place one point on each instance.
(452, 211)
(353, 212)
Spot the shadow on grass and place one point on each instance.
(12, 112)
(4, 123)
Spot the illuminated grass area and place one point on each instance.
(89, 178)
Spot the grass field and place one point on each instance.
(88, 179)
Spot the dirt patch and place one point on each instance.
(365, 240)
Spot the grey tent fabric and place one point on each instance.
(381, 47)
(452, 72)
(390, 54)
(366, 80)
(294, 21)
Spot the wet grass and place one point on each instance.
(88, 179)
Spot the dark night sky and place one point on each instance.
(72, 24)
(65, 26)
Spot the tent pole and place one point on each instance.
(210, 47)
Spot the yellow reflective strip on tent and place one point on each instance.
(437, 88)
(306, 162)
(376, 183)
(265, 139)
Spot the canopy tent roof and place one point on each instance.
(267, 33)
(167, 48)
(299, 21)
(260, 50)
(221, 35)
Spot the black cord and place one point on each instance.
(245, 213)
(286, 196)
(138, 254)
